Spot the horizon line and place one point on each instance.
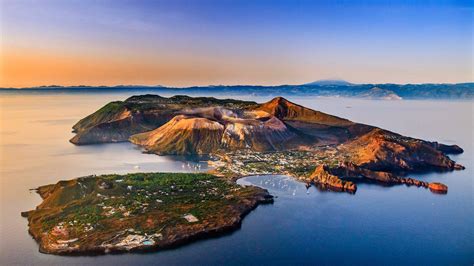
(232, 85)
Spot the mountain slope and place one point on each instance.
(182, 135)
(382, 150)
(328, 129)
(288, 111)
(208, 130)
(117, 121)
(268, 135)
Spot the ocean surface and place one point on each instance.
(377, 225)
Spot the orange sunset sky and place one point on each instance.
(186, 43)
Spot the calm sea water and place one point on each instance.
(377, 225)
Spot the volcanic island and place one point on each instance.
(154, 211)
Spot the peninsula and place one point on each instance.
(137, 212)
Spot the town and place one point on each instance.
(296, 163)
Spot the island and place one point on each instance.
(153, 211)
(138, 212)
(276, 137)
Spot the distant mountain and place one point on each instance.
(457, 91)
(330, 82)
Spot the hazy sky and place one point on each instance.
(181, 43)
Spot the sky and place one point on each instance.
(204, 42)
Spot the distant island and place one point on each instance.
(323, 88)
(330, 82)
(152, 211)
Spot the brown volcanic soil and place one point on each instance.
(207, 130)
(182, 135)
(288, 111)
(386, 151)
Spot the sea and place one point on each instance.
(378, 225)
